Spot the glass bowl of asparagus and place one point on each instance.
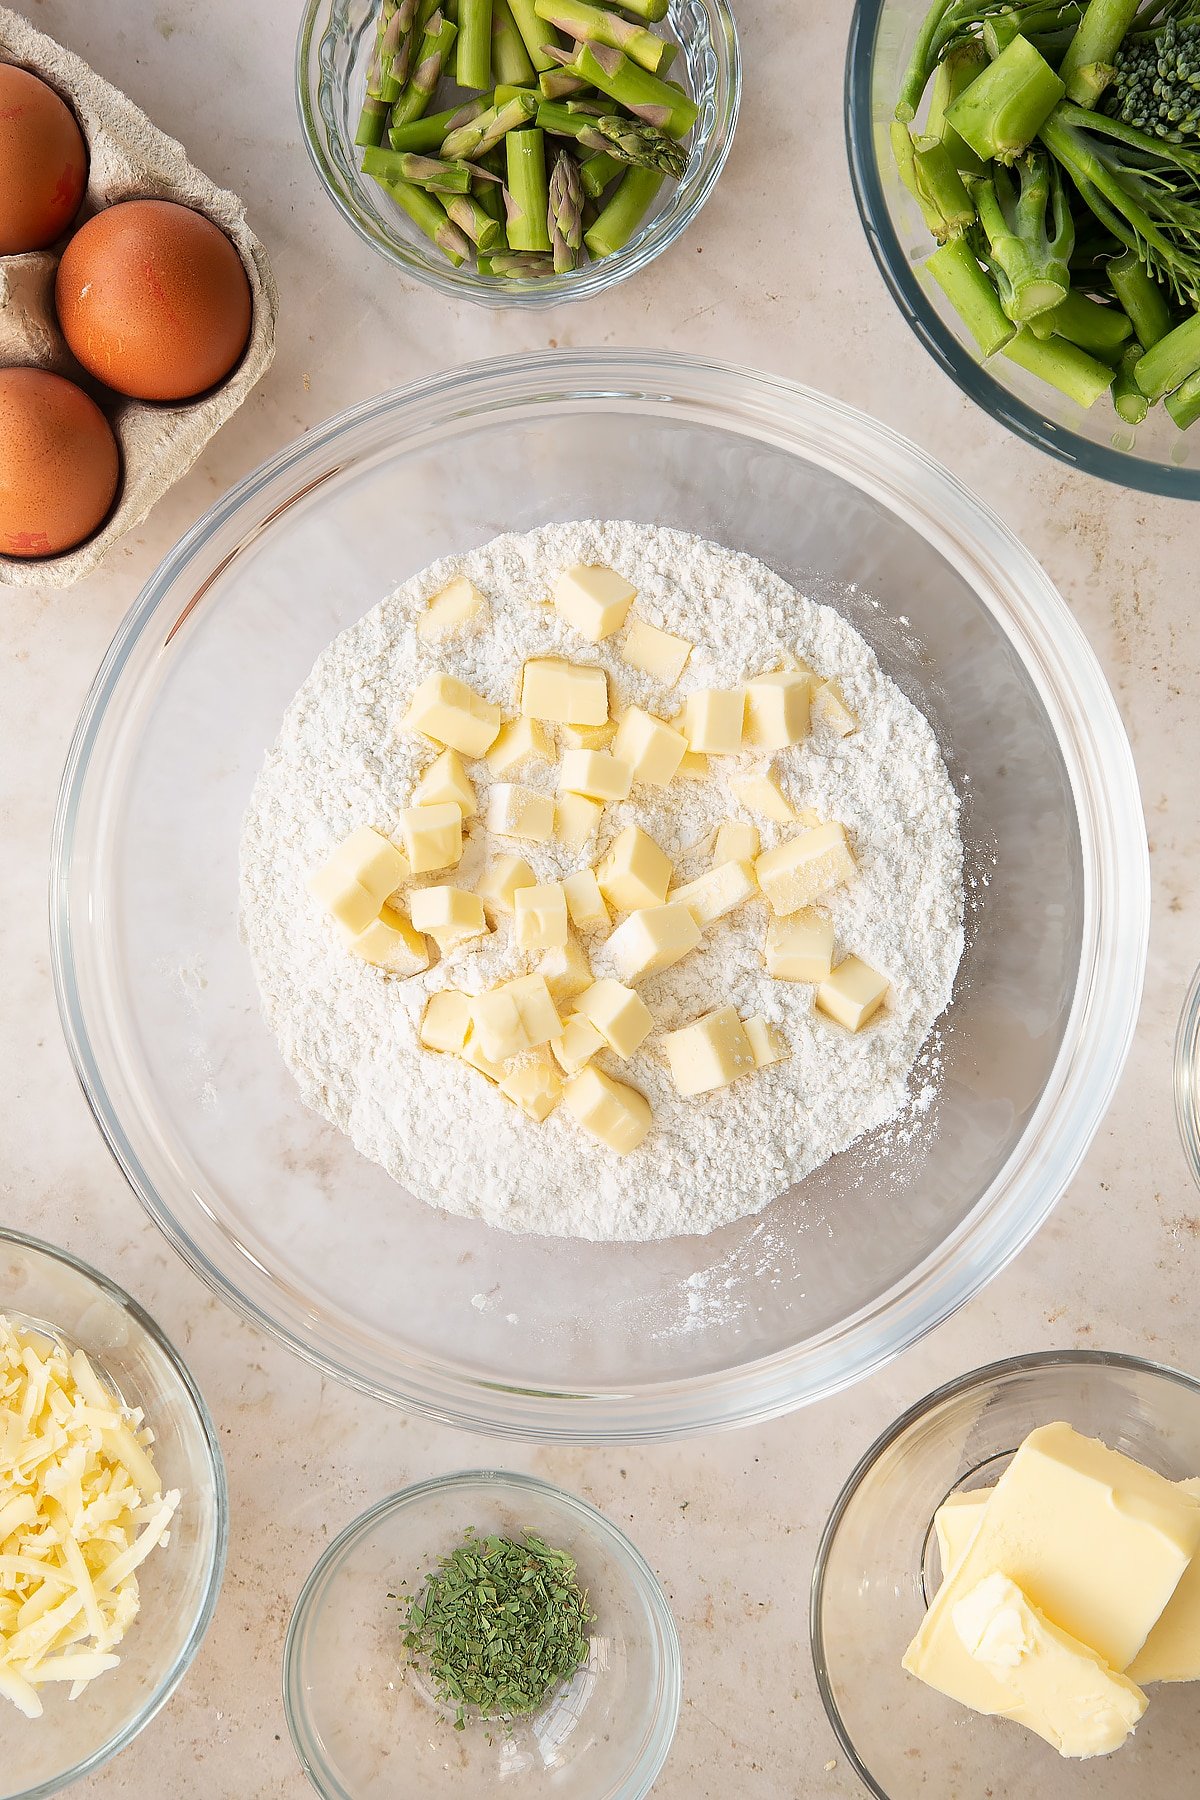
(518, 151)
(1028, 173)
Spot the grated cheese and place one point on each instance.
(81, 1507)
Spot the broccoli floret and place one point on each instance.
(1156, 82)
(1030, 235)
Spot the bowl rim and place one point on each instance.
(306, 1741)
(1114, 854)
(913, 1415)
(1186, 1076)
(557, 290)
(951, 355)
(163, 1689)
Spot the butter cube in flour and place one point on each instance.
(432, 837)
(576, 819)
(593, 599)
(354, 882)
(564, 692)
(853, 993)
(587, 737)
(766, 1043)
(541, 916)
(799, 947)
(616, 1114)
(710, 1053)
(446, 1022)
(650, 940)
(655, 652)
(472, 1053)
(446, 783)
(713, 719)
(520, 812)
(501, 881)
(762, 794)
(389, 942)
(448, 611)
(622, 1018)
(535, 1088)
(539, 1014)
(805, 868)
(595, 774)
(448, 711)
(736, 843)
(450, 915)
(829, 706)
(717, 892)
(518, 742)
(497, 1026)
(635, 872)
(585, 902)
(578, 1044)
(652, 749)
(566, 971)
(777, 709)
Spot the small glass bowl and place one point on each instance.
(365, 1725)
(332, 52)
(1187, 1077)
(51, 1291)
(878, 1566)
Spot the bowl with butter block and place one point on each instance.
(1007, 1593)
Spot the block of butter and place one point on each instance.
(1095, 1543)
(564, 692)
(593, 599)
(1055, 1685)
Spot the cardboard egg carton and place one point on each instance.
(129, 159)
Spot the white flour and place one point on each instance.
(349, 1032)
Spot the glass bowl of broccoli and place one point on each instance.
(1028, 173)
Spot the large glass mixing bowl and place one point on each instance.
(548, 1338)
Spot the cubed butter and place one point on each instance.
(450, 915)
(541, 916)
(566, 971)
(564, 692)
(585, 902)
(623, 1019)
(777, 709)
(609, 1110)
(799, 947)
(518, 742)
(655, 652)
(762, 794)
(653, 749)
(713, 721)
(736, 843)
(576, 819)
(578, 1044)
(446, 783)
(448, 711)
(805, 868)
(446, 1022)
(651, 940)
(635, 872)
(535, 1088)
(539, 1014)
(717, 892)
(1094, 1541)
(500, 882)
(587, 737)
(1051, 1682)
(496, 1024)
(829, 706)
(454, 606)
(593, 600)
(389, 942)
(432, 836)
(693, 767)
(766, 1042)
(596, 774)
(520, 812)
(710, 1053)
(472, 1053)
(853, 994)
(353, 883)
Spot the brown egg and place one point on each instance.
(43, 163)
(153, 300)
(58, 464)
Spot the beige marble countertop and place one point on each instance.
(778, 277)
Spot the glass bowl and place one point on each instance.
(1187, 1077)
(50, 1290)
(878, 1565)
(1155, 456)
(554, 1338)
(366, 1726)
(332, 52)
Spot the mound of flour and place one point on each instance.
(349, 1033)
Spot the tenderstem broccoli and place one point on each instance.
(1030, 235)
(1000, 113)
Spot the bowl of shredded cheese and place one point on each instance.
(113, 1518)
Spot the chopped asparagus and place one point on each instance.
(657, 102)
(586, 23)
(429, 133)
(528, 190)
(440, 34)
(510, 59)
(430, 218)
(483, 133)
(431, 172)
(624, 212)
(600, 171)
(538, 37)
(565, 216)
(474, 43)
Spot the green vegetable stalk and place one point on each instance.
(481, 134)
(436, 45)
(598, 172)
(630, 202)
(528, 190)
(1065, 366)
(1141, 296)
(430, 218)
(969, 290)
(585, 22)
(1172, 361)
(510, 59)
(657, 102)
(653, 11)
(1087, 67)
(1030, 235)
(1184, 404)
(474, 220)
(474, 43)
(1102, 330)
(565, 217)
(951, 77)
(1002, 110)
(536, 34)
(560, 84)
(431, 172)
(426, 136)
(1128, 399)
